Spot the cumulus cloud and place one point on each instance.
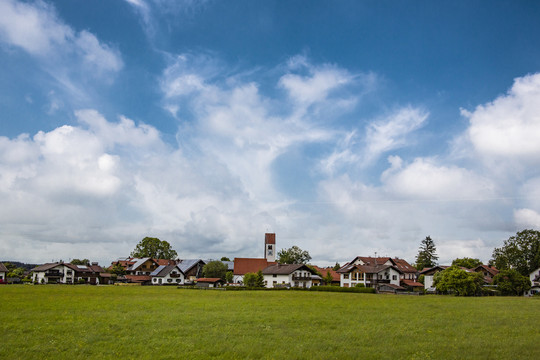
(509, 126)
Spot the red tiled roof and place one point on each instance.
(209, 280)
(411, 283)
(243, 266)
(323, 271)
(404, 266)
(270, 238)
(490, 269)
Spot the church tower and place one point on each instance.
(270, 247)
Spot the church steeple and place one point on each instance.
(270, 247)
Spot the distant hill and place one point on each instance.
(19, 264)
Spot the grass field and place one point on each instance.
(82, 322)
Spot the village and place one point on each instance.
(382, 274)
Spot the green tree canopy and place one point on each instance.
(511, 282)
(154, 248)
(427, 256)
(80, 262)
(117, 269)
(229, 276)
(224, 258)
(466, 262)
(336, 267)
(458, 281)
(328, 278)
(215, 269)
(520, 252)
(293, 255)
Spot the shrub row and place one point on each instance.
(343, 289)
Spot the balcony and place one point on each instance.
(174, 275)
(52, 274)
(301, 278)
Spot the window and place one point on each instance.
(274, 283)
(169, 280)
(361, 276)
(354, 276)
(394, 277)
(274, 275)
(345, 276)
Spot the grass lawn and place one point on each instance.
(114, 322)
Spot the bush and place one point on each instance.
(360, 285)
(81, 281)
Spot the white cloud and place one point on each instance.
(391, 133)
(509, 126)
(527, 218)
(36, 29)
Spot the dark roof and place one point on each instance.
(47, 266)
(269, 238)
(396, 287)
(285, 269)
(3, 268)
(433, 270)
(243, 266)
(164, 270)
(187, 264)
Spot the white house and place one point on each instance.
(3, 273)
(167, 275)
(370, 272)
(535, 282)
(297, 275)
(428, 276)
(53, 273)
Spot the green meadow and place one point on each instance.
(115, 322)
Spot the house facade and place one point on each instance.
(294, 275)
(167, 275)
(370, 272)
(66, 273)
(3, 273)
(535, 282)
(428, 276)
(192, 268)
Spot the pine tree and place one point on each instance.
(427, 256)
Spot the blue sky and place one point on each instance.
(347, 128)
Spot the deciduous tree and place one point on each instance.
(215, 269)
(520, 252)
(154, 248)
(466, 262)
(293, 255)
(458, 281)
(511, 282)
(328, 278)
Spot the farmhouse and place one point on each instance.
(535, 282)
(192, 268)
(373, 271)
(3, 273)
(428, 276)
(167, 275)
(297, 275)
(66, 273)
